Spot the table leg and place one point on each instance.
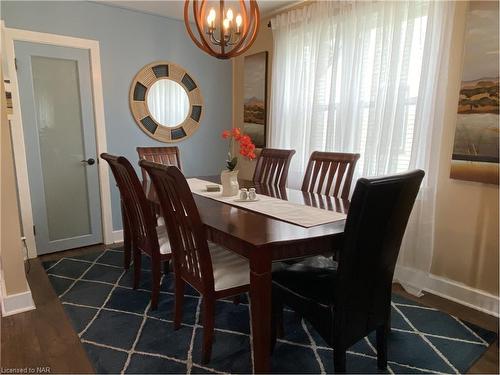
(260, 298)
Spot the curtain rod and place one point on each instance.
(293, 5)
(297, 5)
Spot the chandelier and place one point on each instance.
(223, 31)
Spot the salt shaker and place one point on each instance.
(252, 195)
(243, 194)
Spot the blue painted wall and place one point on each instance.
(128, 41)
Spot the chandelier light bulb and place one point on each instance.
(212, 14)
(229, 14)
(239, 20)
(211, 19)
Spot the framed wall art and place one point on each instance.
(475, 150)
(255, 98)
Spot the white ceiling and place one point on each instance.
(175, 8)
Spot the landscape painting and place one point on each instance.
(255, 96)
(475, 151)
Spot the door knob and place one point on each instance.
(89, 161)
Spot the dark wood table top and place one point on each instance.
(257, 229)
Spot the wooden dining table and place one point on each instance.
(263, 240)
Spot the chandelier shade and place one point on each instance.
(223, 29)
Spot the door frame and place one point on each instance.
(10, 36)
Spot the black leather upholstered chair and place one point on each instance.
(346, 304)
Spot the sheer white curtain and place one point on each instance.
(366, 77)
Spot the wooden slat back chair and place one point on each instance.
(327, 172)
(213, 271)
(168, 155)
(347, 303)
(272, 167)
(161, 155)
(144, 234)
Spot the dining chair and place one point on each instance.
(162, 155)
(146, 237)
(272, 167)
(212, 270)
(326, 172)
(347, 303)
(168, 155)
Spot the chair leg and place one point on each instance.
(137, 267)
(179, 301)
(127, 240)
(127, 250)
(280, 328)
(166, 267)
(339, 358)
(208, 328)
(155, 294)
(276, 322)
(381, 335)
(273, 333)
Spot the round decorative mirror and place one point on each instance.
(166, 102)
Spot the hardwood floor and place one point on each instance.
(45, 338)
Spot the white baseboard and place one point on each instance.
(16, 303)
(117, 236)
(449, 289)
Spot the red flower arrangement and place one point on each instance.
(247, 148)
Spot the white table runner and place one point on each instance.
(294, 213)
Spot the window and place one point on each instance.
(348, 80)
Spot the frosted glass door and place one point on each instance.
(58, 123)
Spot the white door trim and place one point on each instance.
(92, 46)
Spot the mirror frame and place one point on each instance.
(138, 94)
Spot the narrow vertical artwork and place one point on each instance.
(475, 151)
(255, 98)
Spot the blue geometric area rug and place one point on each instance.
(121, 334)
